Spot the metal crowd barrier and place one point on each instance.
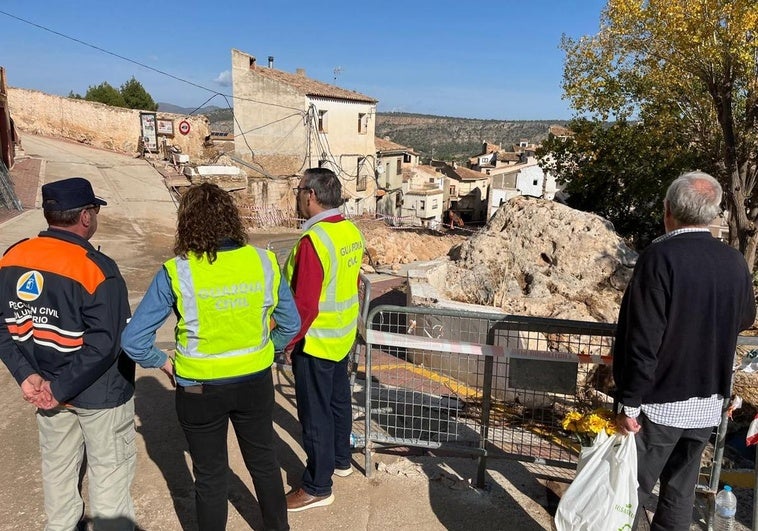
(488, 385)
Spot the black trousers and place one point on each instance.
(673, 455)
(204, 417)
(322, 389)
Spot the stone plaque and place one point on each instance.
(545, 376)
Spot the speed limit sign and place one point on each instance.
(184, 127)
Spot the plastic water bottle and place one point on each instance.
(357, 440)
(726, 509)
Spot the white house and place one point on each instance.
(521, 179)
(423, 196)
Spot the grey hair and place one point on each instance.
(325, 185)
(694, 198)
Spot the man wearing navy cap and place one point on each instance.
(63, 305)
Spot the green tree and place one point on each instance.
(691, 66)
(619, 171)
(75, 95)
(136, 97)
(105, 93)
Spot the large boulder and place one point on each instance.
(540, 258)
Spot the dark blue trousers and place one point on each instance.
(322, 390)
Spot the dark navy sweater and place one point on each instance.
(689, 297)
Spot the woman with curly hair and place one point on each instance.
(234, 310)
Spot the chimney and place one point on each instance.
(300, 72)
(271, 61)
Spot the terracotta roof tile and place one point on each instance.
(310, 87)
(507, 156)
(466, 174)
(559, 130)
(382, 144)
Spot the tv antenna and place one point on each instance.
(337, 71)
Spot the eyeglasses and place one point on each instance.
(297, 189)
(96, 208)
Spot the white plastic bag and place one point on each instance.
(603, 496)
(586, 452)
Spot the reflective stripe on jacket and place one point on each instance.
(63, 306)
(224, 313)
(339, 246)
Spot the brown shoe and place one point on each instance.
(299, 500)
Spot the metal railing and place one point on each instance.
(488, 385)
(484, 383)
(8, 198)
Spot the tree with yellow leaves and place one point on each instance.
(692, 66)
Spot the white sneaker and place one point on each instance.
(343, 472)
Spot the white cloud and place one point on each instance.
(224, 79)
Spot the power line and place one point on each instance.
(143, 65)
(310, 120)
(103, 50)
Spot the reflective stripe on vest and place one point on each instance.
(224, 313)
(339, 247)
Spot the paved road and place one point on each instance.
(136, 229)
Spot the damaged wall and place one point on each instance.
(96, 124)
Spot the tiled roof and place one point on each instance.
(382, 144)
(559, 130)
(459, 173)
(425, 168)
(507, 156)
(465, 174)
(310, 87)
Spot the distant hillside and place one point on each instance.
(441, 137)
(214, 113)
(448, 138)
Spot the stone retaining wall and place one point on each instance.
(97, 124)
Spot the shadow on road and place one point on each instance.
(167, 448)
(289, 461)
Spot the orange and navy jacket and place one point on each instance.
(63, 306)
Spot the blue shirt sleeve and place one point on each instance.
(138, 338)
(286, 316)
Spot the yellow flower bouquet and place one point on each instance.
(586, 426)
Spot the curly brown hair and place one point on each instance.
(207, 216)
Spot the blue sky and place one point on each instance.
(495, 60)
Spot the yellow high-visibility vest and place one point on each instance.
(339, 247)
(224, 313)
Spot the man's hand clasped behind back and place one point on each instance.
(36, 391)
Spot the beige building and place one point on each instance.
(286, 123)
(394, 164)
(466, 191)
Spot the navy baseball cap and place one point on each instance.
(69, 194)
